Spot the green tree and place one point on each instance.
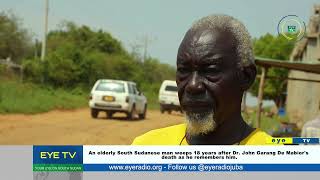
(33, 70)
(77, 56)
(85, 38)
(15, 41)
(274, 47)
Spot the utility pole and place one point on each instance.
(135, 50)
(145, 48)
(146, 40)
(44, 41)
(141, 44)
(36, 49)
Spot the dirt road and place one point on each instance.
(77, 127)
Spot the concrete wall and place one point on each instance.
(303, 100)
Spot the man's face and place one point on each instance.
(206, 77)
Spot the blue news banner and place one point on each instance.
(70, 158)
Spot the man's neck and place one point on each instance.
(231, 131)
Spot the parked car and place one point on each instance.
(113, 96)
(168, 97)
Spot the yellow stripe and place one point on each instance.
(279, 140)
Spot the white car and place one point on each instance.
(113, 96)
(168, 97)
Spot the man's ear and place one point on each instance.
(247, 77)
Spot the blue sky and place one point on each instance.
(163, 21)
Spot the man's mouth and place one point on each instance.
(198, 103)
(197, 106)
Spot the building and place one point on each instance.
(303, 98)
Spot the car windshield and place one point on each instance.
(111, 86)
(171, 88)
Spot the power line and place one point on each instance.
(142, 43)
(146, 41)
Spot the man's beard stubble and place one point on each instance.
(200, 123)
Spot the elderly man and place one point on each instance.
(215, 65)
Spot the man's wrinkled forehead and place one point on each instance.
(205, 41)
(202, 38)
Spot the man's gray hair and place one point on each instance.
(234, 26)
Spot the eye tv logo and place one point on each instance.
(292, 28)
(58, 158)
(57, 155)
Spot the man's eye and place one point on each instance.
(211, 69)
(183, 70)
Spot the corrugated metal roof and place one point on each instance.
(300, 66)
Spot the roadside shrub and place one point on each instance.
(33, 70)
(2, 69)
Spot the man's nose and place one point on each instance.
(195, 85)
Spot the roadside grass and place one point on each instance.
(28, 98)
(153, 103)
(151, 92)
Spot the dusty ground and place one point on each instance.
(77, 127)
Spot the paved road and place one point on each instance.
(77, 127)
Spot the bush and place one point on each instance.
(33, 70)
(151, 91)
(2, 69)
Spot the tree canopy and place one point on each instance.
(78, 56)
(15, 41)
(275, 47)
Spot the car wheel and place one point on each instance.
(109, 114)
(169, 111)
(161, 109)
(94, 113)
(132, 114)
(143, 115)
